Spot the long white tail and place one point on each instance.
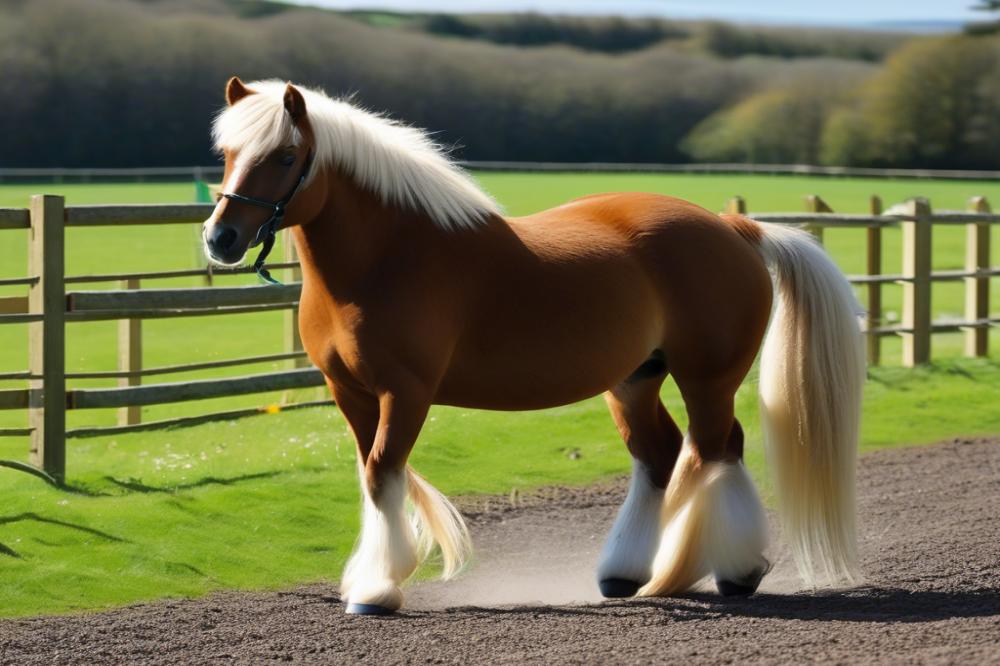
(812, 369)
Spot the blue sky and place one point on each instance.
(843, 12)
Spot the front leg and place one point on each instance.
(653, 439)
(386, 553)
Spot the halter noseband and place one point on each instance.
(266, 232)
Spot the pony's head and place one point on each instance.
(268, 144)
(270, 140)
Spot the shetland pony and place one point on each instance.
(417, 290)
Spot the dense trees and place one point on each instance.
(731, 41)
(783, 125)
(619, 35)
(135, 82)
(611, 34)
(935, 104)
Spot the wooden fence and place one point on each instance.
(51, 304)
(917, 221)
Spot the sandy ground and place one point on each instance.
(930, 544)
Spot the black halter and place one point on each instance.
(266, 232)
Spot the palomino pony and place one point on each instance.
(418, 291)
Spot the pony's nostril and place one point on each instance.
(224, 238)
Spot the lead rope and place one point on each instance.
(266, 247)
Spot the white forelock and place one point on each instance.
(400, 164)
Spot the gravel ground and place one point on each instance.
(930, 544)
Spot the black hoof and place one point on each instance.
(616, 588)
(367, 609)
(745, 586)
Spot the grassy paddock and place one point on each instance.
(271, 501)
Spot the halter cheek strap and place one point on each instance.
(267, 231)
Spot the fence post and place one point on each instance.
(874, 267)
(736, 206)
(46, 339)
(977, 289)
(130, 359)
(814, 204)
(917, 287)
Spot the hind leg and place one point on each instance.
(654, 441)
(735, 522)
(715, 520)
(738, 536)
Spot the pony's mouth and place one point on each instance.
(235, 261)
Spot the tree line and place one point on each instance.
(615, 34)
(136, 82)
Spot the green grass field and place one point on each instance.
(271, 501)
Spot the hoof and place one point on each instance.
(745, 586)
(616, 588)
(368, 609)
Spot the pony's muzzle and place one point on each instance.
(221, 243)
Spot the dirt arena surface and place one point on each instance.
(930, 545)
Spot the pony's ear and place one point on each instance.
(295, 103)
(235, 91)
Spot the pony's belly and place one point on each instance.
(499, 396)
(554, 343)
(514, 400)
(525, 381)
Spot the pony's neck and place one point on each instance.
(342, 246)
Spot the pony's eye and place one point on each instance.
(288, 159)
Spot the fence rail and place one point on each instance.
(198, 389)
(130, 300)
(49, 307)
(185, 367)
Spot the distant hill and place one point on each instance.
(136, 83)
(917, 27)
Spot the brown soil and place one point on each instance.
(930, 543)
